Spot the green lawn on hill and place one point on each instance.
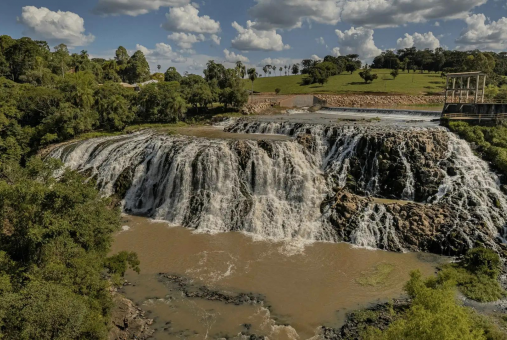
(406, 83)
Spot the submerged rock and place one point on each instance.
(190, 290)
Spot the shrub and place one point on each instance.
(434, 314)
(492, 141)
(476, 275)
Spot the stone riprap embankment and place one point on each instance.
(256, 108)
(261, 104)
(372, 100)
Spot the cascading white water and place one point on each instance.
(409, 191)
(276, 190)
(474, 190)
(204, 184)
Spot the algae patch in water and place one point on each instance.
(377, 276)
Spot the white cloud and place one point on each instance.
(336, 52)
(160, 52)
(55, 27)
(437, 24)
(233, 57)
(187, 19)
(320, 41)
(389, 13)
(287, 14)
(316, 57)
(421, 41)
(164, 55)
(216, 39)
(134, 7)
(186, 41)
(482, 34)
(357, 41)
(252, 39)
(278, 61)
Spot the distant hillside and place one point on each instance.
(405, 83)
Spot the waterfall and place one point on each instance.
(278, 189)
(473, 190)
(211, 185)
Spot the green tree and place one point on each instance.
(61, 59)
(240, 69)
(351, 67)
(54, 237)
(266, 69)
(121, 56)
(172, 75)
(434, 315)
(111, 71)
(66, 122)
(199, 95)
(295, 69)
(252, 75)
(138, 69)
(113, 106)
(79, 89)
(21, 56)
(161, 102)
(395, 73)
(214, 71)
(367, 76)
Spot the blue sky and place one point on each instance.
(186, 34)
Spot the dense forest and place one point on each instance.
(50, 96)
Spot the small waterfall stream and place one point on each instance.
(276, 189)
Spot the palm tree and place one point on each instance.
(252, 74)
(159, 67)
(285, 69)
(266, 69)
(240, 69)
(281, 69)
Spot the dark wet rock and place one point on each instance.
(202, 292)
(266, 146)
(412, 226)
(124, 181)
(243, 151)
(385, 154)
(128, 321)
(307, 141)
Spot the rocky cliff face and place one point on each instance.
(398, 226)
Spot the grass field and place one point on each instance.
(413, 84)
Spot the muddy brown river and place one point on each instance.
(304, 286)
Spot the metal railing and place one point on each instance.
(474, 116)
(471, 101)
